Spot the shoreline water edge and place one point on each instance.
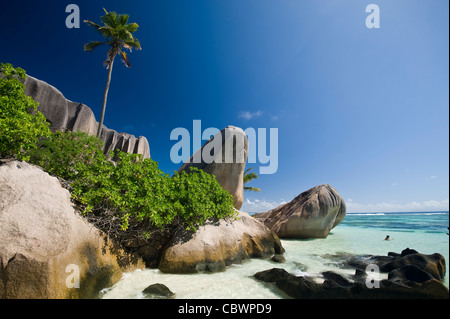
(360, 235)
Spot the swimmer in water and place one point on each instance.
(387, 237)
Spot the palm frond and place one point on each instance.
(247, 170)
(249, 177)
(135, 44)
(126, 46)
(95, 26)
(122, 19)
(92, 24)
(125, 35)
(110, 19)
(106, 31)
(125, 59)
(252, 189)
(132, 27)
(92, 45)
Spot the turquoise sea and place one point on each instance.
(358, 234)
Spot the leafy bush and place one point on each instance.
(21, 125)
(65, 153)
(131, 193)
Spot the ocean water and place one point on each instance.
(358, 234)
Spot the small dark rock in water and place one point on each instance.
(278, 258)
(158, 291)
(300, 266)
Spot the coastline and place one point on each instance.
(303, 257)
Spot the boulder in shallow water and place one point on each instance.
(312, 214)
(218, 244)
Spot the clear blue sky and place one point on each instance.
(364, 110)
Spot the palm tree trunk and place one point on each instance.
(105, 97)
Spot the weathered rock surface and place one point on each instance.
(224, 156)
(45, 244)
(312, 214)
(158, 291)
(219, 244)
(407, 278)
(433, 264)
(65, 115)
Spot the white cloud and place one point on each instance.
(259, 206)
(251, 205)
(392, 207)
(249, 115)
(431, 177)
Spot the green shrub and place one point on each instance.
(21, 125)
(131, 194)
(133, 191)
(64, 154)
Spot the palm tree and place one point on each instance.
(249, 177)
(118, 34)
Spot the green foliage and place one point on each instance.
(65, 153)
(135, 192)
(199, 197)
(117, 33)
(21, 125)
(249, 177)
(131, 192)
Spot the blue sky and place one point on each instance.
(364, 110)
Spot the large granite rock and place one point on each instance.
(65, 115)
(219, 244)
(418, 276)
(45, 245)
(312, 214)
(224, 156)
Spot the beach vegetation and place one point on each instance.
(21, 125)
(131, 192)
(249, 176)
